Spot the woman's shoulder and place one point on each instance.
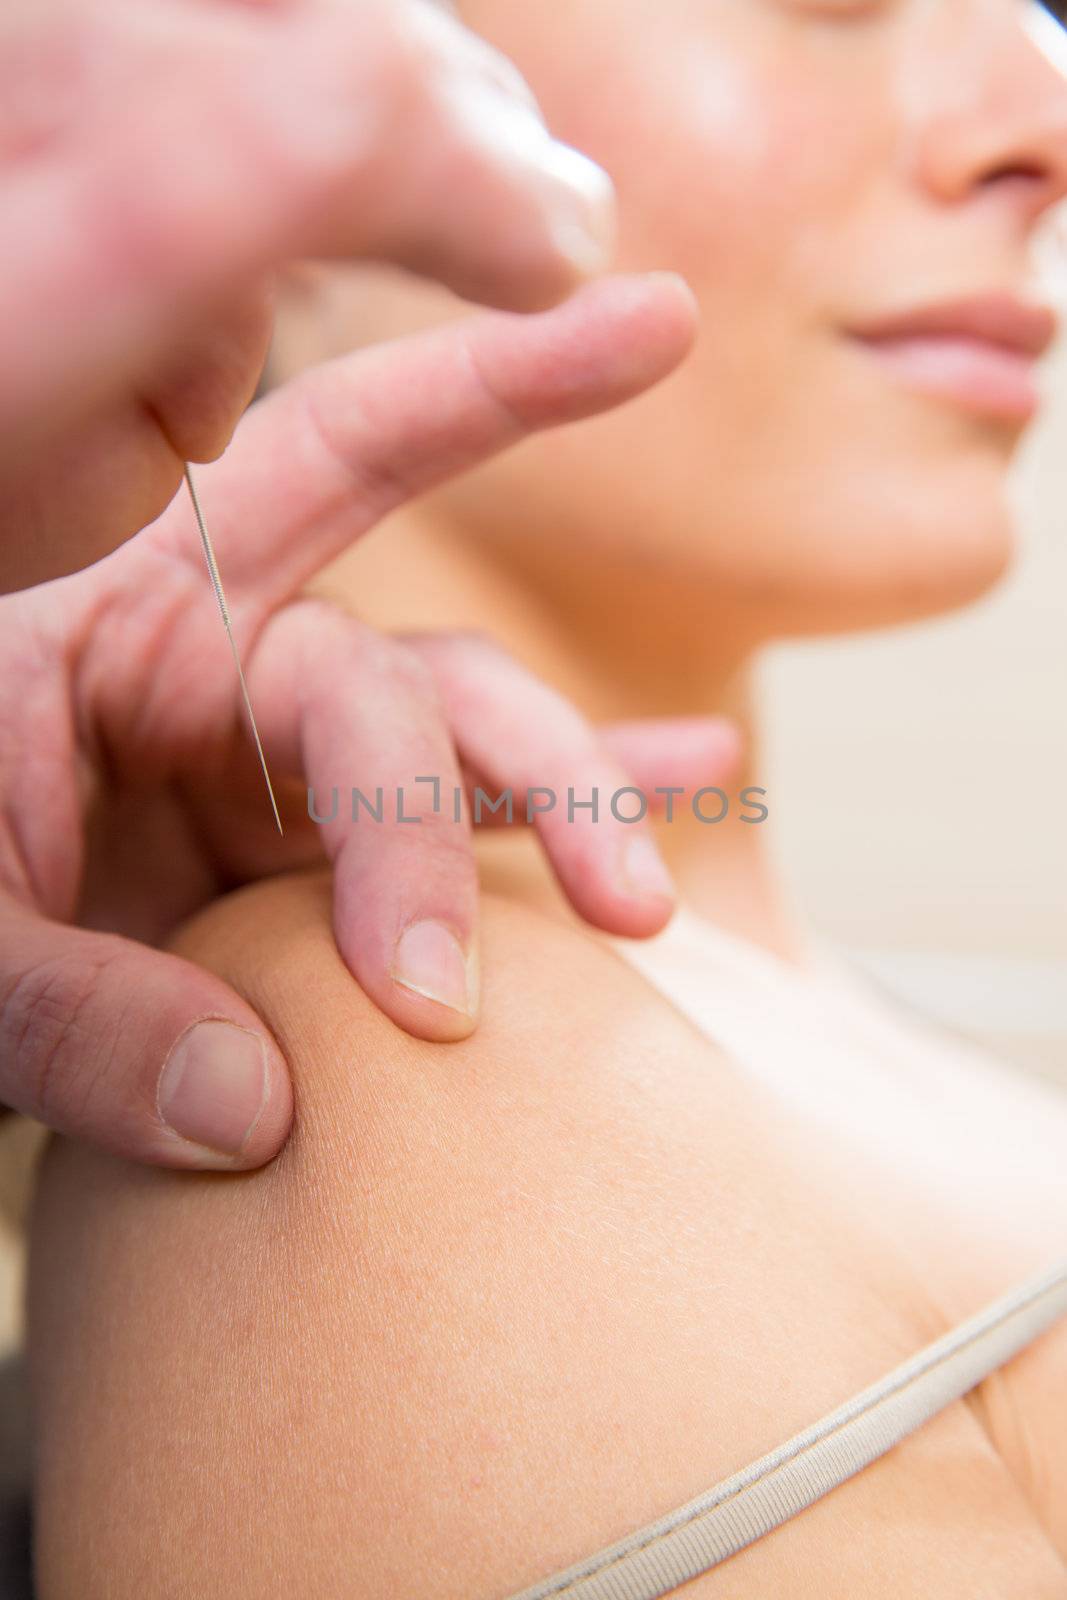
(495, 1304)
(555, 997)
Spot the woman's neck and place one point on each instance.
(605, 638)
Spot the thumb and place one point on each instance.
(136, 1051)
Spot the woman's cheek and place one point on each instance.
(721, 160)
(673, 114)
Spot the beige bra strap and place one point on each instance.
(762, 1496)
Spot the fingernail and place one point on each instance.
(580, 201)
(214, 1085)
(429, 960)
(643, 871)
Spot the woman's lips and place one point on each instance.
(980, 354)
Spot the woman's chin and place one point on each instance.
(888, 550)
(925, 566)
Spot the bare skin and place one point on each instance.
(490, 1311)
(499, 1303)
(131, 795)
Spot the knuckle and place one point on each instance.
(330, 648)
(410, 672)
(309, 625)
(428, 847)
(379, 656)
(317, 634)
(45, 1032)
(468, 653)
(438, 838)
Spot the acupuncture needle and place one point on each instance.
(213, 569)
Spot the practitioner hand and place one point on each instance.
(129, 789)
(159, 157)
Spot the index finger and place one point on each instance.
(316, 465)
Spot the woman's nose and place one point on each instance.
(1003, 131)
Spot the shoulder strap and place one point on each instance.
(762, 1496)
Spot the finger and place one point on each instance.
(667, 758)
(665, 753)
(314, 466)
(359, 715)
(532, 743)
(164, 156)
(134, 1050)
